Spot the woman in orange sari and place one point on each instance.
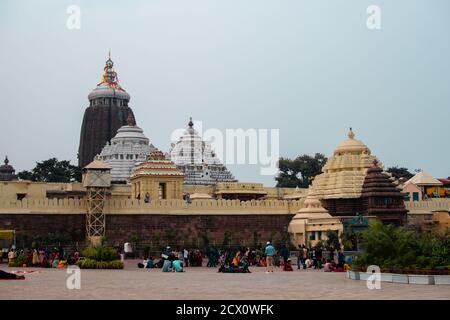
(236, 259)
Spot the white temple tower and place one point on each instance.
(127, 149)
(197, 160)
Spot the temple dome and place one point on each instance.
(105, 92)
(128, 148)
(156, 165)
(7, 171)
(109, 86)
(343, 174)
(351, 145)
(130, 133)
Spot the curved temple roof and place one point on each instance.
(343, 174)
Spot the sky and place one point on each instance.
(311, 69)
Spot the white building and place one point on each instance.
(128, 148)
(197, 160)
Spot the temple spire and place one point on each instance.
(350, 134)
(6, 160)
(109, 77)
(190, 124)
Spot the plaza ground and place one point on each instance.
(205, 283)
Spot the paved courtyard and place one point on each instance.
(205, 283)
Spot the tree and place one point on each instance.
(332, 242)
(300, 171)
(400, 172)
(52, 170)
(399, 248)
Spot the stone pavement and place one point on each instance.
(205, 283)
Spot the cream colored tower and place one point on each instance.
(338, 188)
(158, 178)
(343, 174)
(310, 224)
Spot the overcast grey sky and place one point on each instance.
(309, 68)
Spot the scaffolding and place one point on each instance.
(95, 216)
(97, 181)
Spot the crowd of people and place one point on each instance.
(239, 260)
(229, 260)
(314, 258)
(43, 257)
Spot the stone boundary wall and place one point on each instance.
(175, 206)
(130, 206)
(171, 229)
(427, 206)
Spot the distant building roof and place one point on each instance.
(445, 182)
(424, 179)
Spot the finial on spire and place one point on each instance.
(350, 134)
(6, 160)
(109, 75)
(131, 121)
(190, 124)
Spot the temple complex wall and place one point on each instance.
(167, 220)
(148, 228)
(190, 228)
(427, 206)
(132, 206)
(38, 190)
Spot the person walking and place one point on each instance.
(270, 252)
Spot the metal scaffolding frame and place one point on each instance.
(95, 217)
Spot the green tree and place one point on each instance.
(52, 170)
(332, 241)
(300, 171)
(396, 247)
(400, 172)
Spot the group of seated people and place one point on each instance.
(239, 264)
(169, 262)
(331, 266)
(56, 258)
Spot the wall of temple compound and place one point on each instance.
(166, 220)
(150, 228)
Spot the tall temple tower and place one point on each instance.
(197, 160)
(108, 111)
